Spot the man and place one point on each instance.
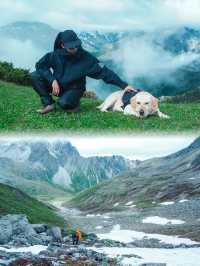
(63, 73)
(76, 236)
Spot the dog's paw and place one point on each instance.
(165, 116)
(104, 110)
(162, 115)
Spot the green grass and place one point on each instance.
(13, 201)
(18, 106)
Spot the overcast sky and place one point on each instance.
(140, 148)
(135, 147)
(102, 14)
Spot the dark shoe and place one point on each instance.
(47, 109)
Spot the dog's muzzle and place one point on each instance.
(141, 113)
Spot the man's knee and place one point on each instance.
(35, 76)
(66, 104)
(36, 79)
(69, 100)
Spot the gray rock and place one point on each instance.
(5, 231)
(67, 239)
(19, 241)
(12, 226)
(40, 228)
(16, 230)
(35, 240)
(55, 233)
(46, 239)
(76, 255)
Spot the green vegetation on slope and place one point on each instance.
(39, 189)
(192, 96)
(13, 74)
(18, 107)
(121, 189)
(13, 201)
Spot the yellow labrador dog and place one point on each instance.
(140, 104)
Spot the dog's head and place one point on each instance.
(144, 104)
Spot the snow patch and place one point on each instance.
(93, 215)
(172, 257)
(90, 215)
(99, 227)
(116, 204)
(62, 177)
(51, 150)
(184, 200)
(167, 203)
(129, 203)
(106, 217)
(161, 220)
(128, 236)
(33, 249)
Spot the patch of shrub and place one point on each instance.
(16, 75)
(190, 96)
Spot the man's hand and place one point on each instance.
(55, 88)
(129, 88)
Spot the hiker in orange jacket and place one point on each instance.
(78, 235)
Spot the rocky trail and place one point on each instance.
(157, 237)
(160, 234)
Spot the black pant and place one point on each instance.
(68, 98)
(75, 240)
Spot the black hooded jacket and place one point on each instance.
(71, 70)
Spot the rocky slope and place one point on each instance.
(23, 243)
(42, 168)
(170, 178)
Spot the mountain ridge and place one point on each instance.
(168, 178)
(55, 166)
(181, 42)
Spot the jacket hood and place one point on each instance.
(69, 38)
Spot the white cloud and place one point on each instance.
(140, 57)
(99, 5)
(185, 10)
(110, 14)
(22, 54)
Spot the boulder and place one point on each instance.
(17, 231)
(5, 231)
(12, 226)
(55, 233)
(67, 239)
(40, 228)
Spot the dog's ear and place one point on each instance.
(133, 103)
(154, 104)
